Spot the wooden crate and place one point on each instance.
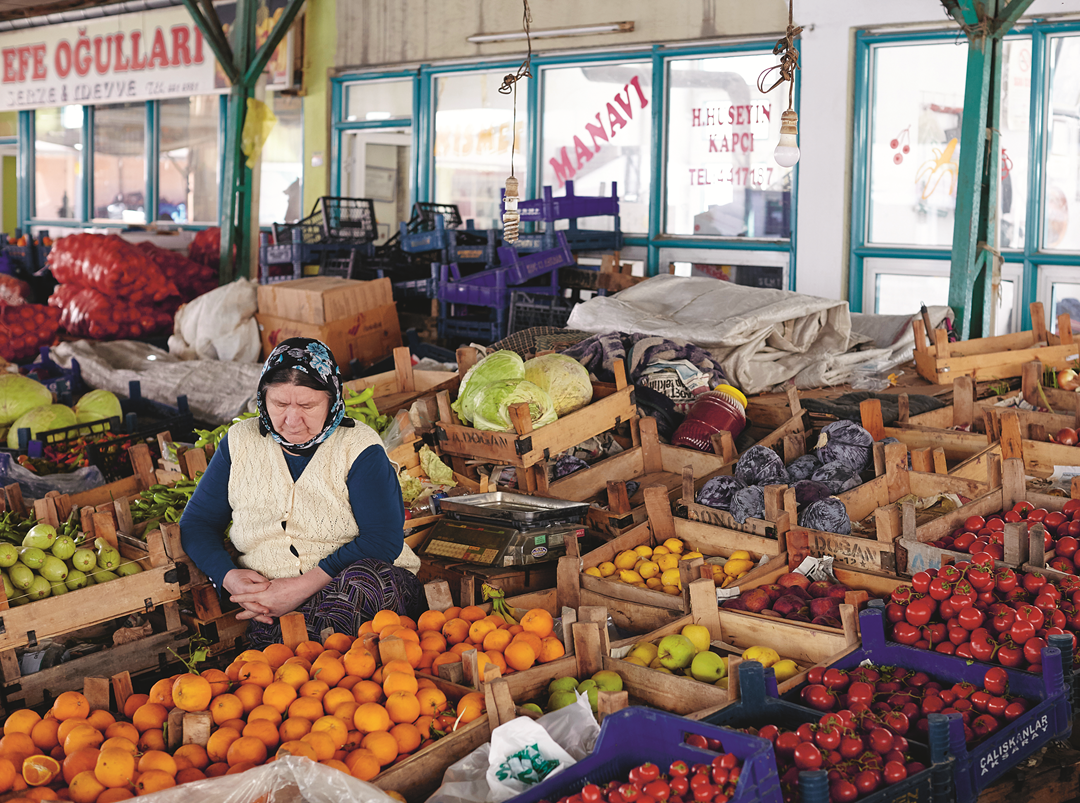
(993, 357)
(399, 388)
(526, 447)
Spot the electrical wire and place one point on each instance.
(789, 59)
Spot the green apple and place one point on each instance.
(561, 699)
(562, 684)
(722, 683)
(608, 680)
(699, 635)
(708, 667)
(675, 652)
(644, 650)
(633, 659)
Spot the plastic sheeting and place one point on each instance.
(217, 391)
(219, 325)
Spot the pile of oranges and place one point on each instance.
(336, 703)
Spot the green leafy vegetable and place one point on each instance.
(436, 470)
(496, 367)
(41, 419)
(411, 488)
(19, 395)
(564, 379)
(98, 405)
(492, 405)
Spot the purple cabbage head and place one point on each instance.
(632, 487)
(847, 442)
(760, 465)
(802, 468)
(748, 503)
(718, 491)
(568, 464)
(809, 491)
(827, 515)
(838, 476)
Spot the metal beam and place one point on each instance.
(963, 11)
(216, 39)
(1008, 17)
(262, 57)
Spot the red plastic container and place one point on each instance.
(721, 408)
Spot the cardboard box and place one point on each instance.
(367, 336)
(323, 299)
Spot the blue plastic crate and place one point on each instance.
(467, 329)
(439, 238)
(635, 735)
(65, 383)
(977, 768)
(757, 706)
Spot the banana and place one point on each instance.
(498, 603)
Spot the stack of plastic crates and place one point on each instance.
(337, 237)
(547, 210)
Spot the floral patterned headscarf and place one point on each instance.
(314, 359)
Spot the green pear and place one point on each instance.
(53, 569)
(561, 699)
(103, 576)
(593, 693)
(562, 684)
(75, 580)
(32, 556)
(64, 547)
(608, 680)
(21, 577)
(532, 708)
(40, 588)
(128, 569)
(84, 560)
(9, 554)
(41, 536)
(58, 589)
(585, 685)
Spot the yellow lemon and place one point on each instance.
(644, 550)
(740, 554)
(737, 567)
(785, 670)
(639, 585)
(666, 561)
(630, 576)
(766, 656)
(670, 577)
(648, 569)
(626, 559)
(674, 545)
(592, 571)
(691, 556)
(607, 568)
(633, 659)
(660, 550)
(654, 583)
(673, 590)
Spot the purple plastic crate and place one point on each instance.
(550, 208)
(977, 767)
(522, 268)
(635, 735)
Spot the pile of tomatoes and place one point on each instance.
(682, 783)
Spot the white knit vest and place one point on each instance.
(315, 510)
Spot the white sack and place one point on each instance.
(219, 325)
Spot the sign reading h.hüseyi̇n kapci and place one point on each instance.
(129, 57)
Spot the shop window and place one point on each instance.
(1061, 199)
(188, 163)
(597, 128)
(474, 131)
(721, 178)
(9, 124)
(57, 167)
(280, 191)
(371, 101)
(917, 101)
(120, 162)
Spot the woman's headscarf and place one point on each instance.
(314, 359)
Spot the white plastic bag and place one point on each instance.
(522, 754)
(219, 325)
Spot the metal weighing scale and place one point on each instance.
(504, 529)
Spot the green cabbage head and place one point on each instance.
(492, 405)
(496, 367)
(41, 419)
(98, 405)
(21, 394)
(565, 380)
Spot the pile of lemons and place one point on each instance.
(735, 567)
(656, 568)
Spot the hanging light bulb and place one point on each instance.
(510, 211)
(787, 150)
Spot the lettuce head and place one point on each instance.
(564, 379)
(492, 405)
(496, 367)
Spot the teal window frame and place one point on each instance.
(1032, 256)
(650, 243)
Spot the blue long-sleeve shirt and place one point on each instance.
(374, 495)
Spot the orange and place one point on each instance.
(414, 653)
(100, 719)
(161, 692)
(192, 692)
(115, 795)
(7, 775)
(85, 787)
(338, 641)
(382, 745)
(306, 707)
(365, 627)
(40, 793)
(337, 765)
(252, 655)
(348, 682)
(235, 724)
(425, 683)
(531, 639)
(432, 701)
(153, 739)
(232, 670)
(321, 743)
(189, 774)
(124, 729)
(407, 736)
(378, 676)
(216, 769)
(246, 749)
(22, 745)
(462, 648)
(191, 755)
(265, 712)
(79, 761)
(258, 673)
(496, 657)
(552, 649)
(243, 766)
(22, 721)
(371, 717)
(398, 666)
(153, 781)
(389, 630)
(472, 613)
(69, 705)
(383, 619)
(344, 711)
(538, 621)
(44, 733)
(430, 620)
(115, 768)
(133, 702)
(407, 635)
(402, 706)
(314, 689)
(296, 748)
(217, 747)
(150, 715)
(362, 764)
(39, 770)
(455, 631)
(445, 658)
(158, 760)
(519, 655)
(279, 695)
(515, 629)
(276, 655)
(294, 728)
(327, 669)
(433, 640)
(308, 650)
(470, 706)
(335, 697)
(292, 674)
(427, 658)
(452, 612)
(497, 640)
(250, 695)
(367, 691)
(399, 681)
(66, 727)
(301, 660)
(423, 724)
(359, 662)
(120, 743)
(408, 622)
(81, 736)
(496, 620)
(225, 707)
